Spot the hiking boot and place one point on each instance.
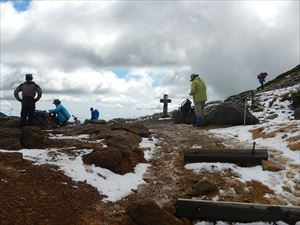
(198, 122)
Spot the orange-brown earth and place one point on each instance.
(34, 194)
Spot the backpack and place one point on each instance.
(186, 106)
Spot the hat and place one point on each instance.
(28, 76)
(193, 76)
(56, 101)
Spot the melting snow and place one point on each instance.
(111, 185)
(274, 180)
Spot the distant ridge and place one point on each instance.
(286, 79)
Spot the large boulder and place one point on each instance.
(147, 212)
(34, 137)
(10, 138)
(117, 160)
(230, 113)
(40, 119)
(119, 138)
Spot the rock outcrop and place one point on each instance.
(122, 153)
(117, 160)
(224, 113)
(229, 113)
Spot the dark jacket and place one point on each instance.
(29, 90)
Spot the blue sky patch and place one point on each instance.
(121, 72)
(19, 5)
(158, 81)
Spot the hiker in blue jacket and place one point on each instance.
(60, 112)
(94, 114)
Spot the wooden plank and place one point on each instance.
(235, 212)
(234, 151)
(239, 156)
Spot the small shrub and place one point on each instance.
(295, 98)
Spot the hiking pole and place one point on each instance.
(245, 110)
(11, 112)
(253, 148)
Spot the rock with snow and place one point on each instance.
(272, 116)
(202, 187)
(147, 212)
(34, 137)
(118, 160)
(230, 113)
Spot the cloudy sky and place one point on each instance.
(122, 56)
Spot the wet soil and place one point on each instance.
(34, 194)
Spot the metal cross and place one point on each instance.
(165, 100)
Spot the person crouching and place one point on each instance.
(60, 113)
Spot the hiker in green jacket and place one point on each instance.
(198, 91)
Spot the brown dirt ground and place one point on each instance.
(32, 194)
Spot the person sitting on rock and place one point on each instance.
(261, 78)
(94, 114)
(31, 93)
(60, 113)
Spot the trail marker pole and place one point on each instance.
(245, 110)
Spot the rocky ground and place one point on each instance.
(48, 177)
(42, 194)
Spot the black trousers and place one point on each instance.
(27, 114)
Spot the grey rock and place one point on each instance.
(202, 187)
(271, 117)
(230, 113)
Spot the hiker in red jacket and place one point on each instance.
(261, 78)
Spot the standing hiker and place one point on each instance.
(198, 91)
(60, 113)
(261, 78)
(94, 114)
(29, 91)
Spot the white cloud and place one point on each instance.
(72, 47)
